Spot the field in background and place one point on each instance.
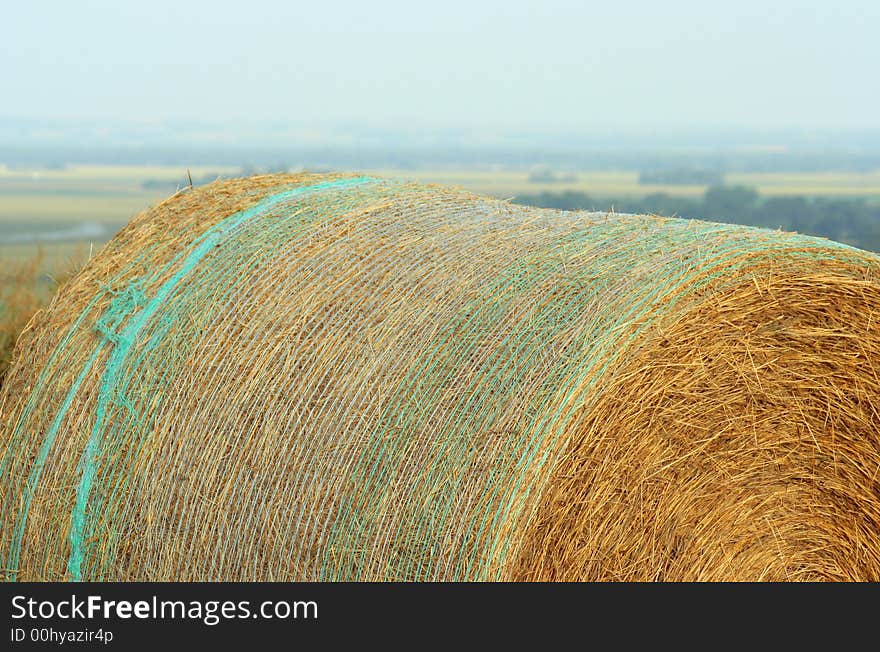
(112, 194)
(89, 193)
(86, 204)
(626, 184)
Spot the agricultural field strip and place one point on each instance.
(112, 194)
(619, 184)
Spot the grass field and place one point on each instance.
(90, 192)
(626, 184)
(42, 205)
(112, 194)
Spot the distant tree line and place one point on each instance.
(546, 175)
(681, 176)
(853, 221)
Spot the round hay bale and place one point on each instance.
(348, 378)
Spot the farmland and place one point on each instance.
(111, 194)
(103, 194)
(76, 208)
(626, 184)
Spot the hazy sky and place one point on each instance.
(749, 63)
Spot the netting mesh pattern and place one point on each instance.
(349, 378)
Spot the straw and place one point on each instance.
(333, 377)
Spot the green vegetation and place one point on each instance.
(853, 221)
(605, 184)
(44, 198)
(681, 176)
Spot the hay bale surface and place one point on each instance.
(348, 378)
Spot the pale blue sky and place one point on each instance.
(546, 64)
